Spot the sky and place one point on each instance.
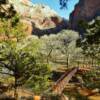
(54, 4)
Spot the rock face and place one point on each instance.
(43, 19)
(85, 10)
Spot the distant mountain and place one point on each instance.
(41, 19)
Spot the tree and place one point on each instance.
(39, 82)
(91, 43)
(48, 46)
(92, 31)
(60, 47)
(68, 48)
(18, 57)
(17, 60)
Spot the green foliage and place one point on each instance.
(89, 79)
(92, 35)
(18, 56)
(60, 47)
(15, 60)
(80, 97)
(18, 60)
(39, 81)
(89, 75)
(12, 28)
(91, 43)
(92, 30)
(15, 20)
(75, 95)
(83, 25)
(91, 51)
(94, 85)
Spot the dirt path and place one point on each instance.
(23, 93)
(95, 97)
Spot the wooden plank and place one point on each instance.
(65, 78)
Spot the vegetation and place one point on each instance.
(91, 50)
(18, 58)
(91, 42)
(60, 48)
(29, 61)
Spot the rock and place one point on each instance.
(40, 18)
(85, 10)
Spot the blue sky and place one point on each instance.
(54, 4)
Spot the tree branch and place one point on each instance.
(6, 66)
(6, 73)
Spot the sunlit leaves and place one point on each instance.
(59, 47)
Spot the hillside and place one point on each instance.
(40, 18)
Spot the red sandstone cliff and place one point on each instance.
(84, 10)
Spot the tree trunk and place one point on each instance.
(78, 64)
(15, 90)
(84, 62)
(67, 63)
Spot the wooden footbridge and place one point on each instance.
(61, 83)
(63, 80)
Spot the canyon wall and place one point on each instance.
(85, 10)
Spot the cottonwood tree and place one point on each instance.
(49, 43)
(60, 47)
(68, 44)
